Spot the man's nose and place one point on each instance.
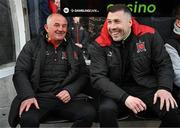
(60, 28)
(113, 25)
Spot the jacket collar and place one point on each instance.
(138, 29)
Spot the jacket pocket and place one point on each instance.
(141, 64)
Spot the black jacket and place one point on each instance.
(174, 41)
(150, 64)
(29, 66)
(80, 35)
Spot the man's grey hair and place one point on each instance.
(50, 17)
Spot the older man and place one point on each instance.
(49, 73)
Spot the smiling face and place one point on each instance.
(119, 25)
(56, 27)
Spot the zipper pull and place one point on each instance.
(55, 51)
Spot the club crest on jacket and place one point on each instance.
(64, 56)
(140, 46)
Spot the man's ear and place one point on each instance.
(46, 27)
(130, 22)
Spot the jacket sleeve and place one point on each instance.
(162, 63)
(21, 77)
(175, 58)
(78, 84)
(99, 75)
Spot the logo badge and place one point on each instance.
(64, 56)
(140, 47)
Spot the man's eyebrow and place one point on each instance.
(56, 23)
(60, 23)
(109, 19)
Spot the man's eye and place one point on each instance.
(56, 25)
(109, 22)
(64, 26)
(117, 21)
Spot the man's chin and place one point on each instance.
(116, 39)
(59, 39)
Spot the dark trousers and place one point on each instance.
(110, 109)
(176, 94)
(79, 111)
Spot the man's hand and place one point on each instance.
(135, 104)
(165, 99)
(64, 96)
(26, 104)
(79, 45)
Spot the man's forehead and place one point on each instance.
(115, 15)
(59, 19)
